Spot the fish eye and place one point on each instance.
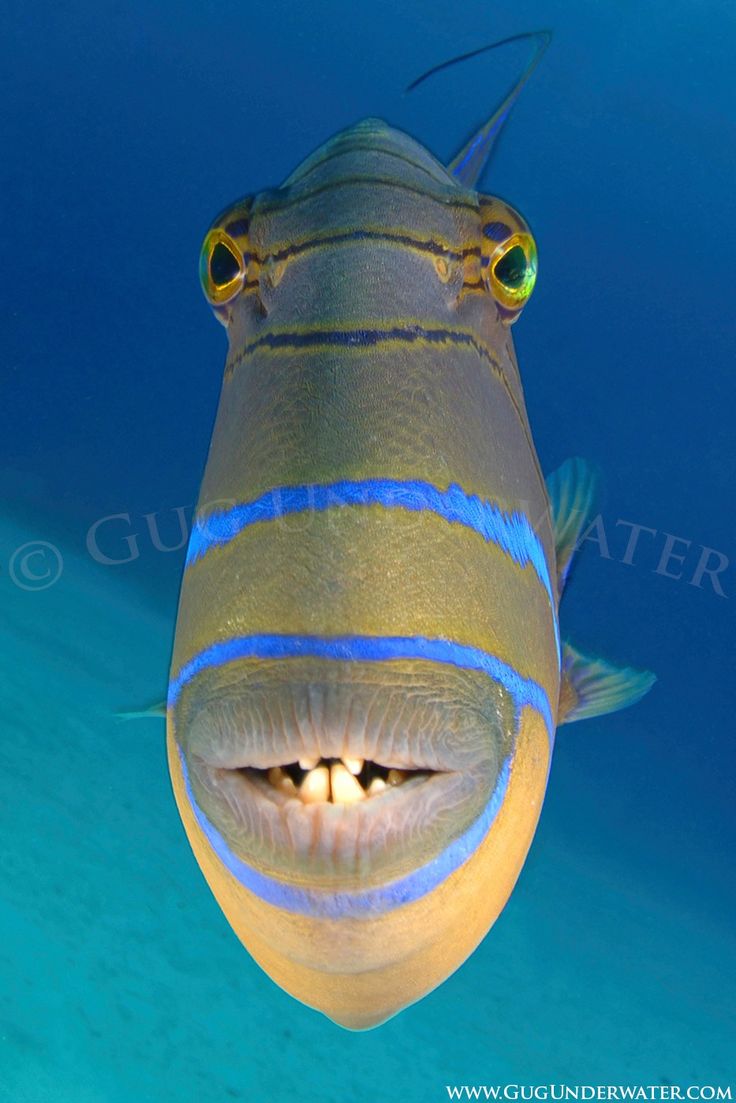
(512, 271)
(221, 268)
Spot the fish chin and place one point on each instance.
(342, 779)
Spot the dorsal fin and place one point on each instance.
(469, 163)
(573, 491)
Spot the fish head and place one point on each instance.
(346, 718)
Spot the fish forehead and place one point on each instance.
(368, 241)
(370, 178)
(374, 136)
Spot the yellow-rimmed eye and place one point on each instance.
(512, 270)
(221, 267)
(508, 256)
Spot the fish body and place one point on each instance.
(366, 678)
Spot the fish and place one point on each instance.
(368, 672)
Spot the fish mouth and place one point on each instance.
(338, 780)
(318, 823)
(331, 784)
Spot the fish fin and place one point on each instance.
(469, 163)
(573, 492)
(155, 711)
(593, 687)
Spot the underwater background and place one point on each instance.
(125, 128)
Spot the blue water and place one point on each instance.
(124, 129)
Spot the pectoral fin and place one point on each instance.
(592, 687)
(572, 490)
(155, 711)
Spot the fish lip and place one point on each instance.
(233, 751)
(402, 715)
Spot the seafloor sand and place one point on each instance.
(120, 980)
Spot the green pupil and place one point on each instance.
(224, 267)
(511, 268)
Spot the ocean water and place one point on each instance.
(124, 129)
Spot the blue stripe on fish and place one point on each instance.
(511, 532)
(523, 691)
(336, 905)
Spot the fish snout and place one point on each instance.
(360, 957)
(341, 776)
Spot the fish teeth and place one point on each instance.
(345, 788)
(281, 781)
(335, 781)
(315, 786)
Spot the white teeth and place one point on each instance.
(355, 765)
(338, 782)
(345, 789)
(316, 786)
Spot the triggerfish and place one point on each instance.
(368, 671)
